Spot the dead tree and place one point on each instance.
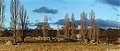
(23, 21)
(1, 13)
(83, 30)
(14, 9)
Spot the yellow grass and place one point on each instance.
(57, 47)
(76, 46)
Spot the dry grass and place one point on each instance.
(76, 46)
(56, 47)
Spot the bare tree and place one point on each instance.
(83, 30)
(45, 27)
(66, 26)
(92, 26)
(23, 21)
(1, 13)
(73, 25)
(14, 9)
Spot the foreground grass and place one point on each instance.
(70, 46)
(57, 47)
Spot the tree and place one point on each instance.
(14, 9)
(73, 25)
(66, 26)
(92, 26)
(58, 30)
(45, 27)
(23, 21)
(97, 34)
(1, 13)
(83, 30)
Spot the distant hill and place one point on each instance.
(98, 22)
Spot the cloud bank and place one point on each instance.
(45, 10)
(98, 22)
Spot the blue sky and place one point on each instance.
(104, 9)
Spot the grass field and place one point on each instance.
(70, 46)
(58, 47)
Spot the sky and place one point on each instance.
(56, 9)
